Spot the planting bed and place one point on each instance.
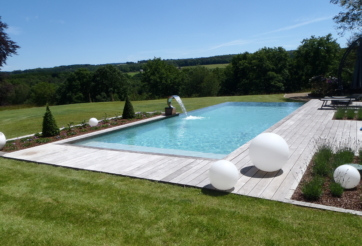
(71, 131)
(350, 199)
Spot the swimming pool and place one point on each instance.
(211, 132)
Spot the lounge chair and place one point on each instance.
(337, 100)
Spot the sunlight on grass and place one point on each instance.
(46, 205)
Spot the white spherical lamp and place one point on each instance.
(223, 175)
(93, 122)
(347, 176)
(2, 140)
(269, 152)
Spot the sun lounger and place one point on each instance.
(336, 101)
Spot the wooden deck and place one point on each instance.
(301, 130)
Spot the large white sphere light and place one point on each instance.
(2, 140)
(93, 122)
(269, 152)
(347, 176)
(223, 175)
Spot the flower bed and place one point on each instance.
(72, 130)
(318, 186)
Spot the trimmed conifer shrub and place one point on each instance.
(50, 127)
(128, 111)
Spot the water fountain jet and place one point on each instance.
(170, 110)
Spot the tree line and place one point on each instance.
(266, 71)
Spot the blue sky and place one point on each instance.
(54, 33)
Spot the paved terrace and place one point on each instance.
(301, 130)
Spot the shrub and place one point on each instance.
(42, 140)
(342, 156)
(336, 189)
(50, 127)
(339, 113)
(321, 161)
(312, 190)
(350, 114)
(359, 114)
(128, 111)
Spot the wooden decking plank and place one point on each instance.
(190, 174)
(146, 167)
(167, 168)
(179, 171)
(252, 182)
(86, 160)
(115, 162)
(202, 176)
(126, 167)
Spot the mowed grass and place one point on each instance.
(20, 122)
(47, 205)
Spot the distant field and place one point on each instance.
(132, 73)
(211, 66)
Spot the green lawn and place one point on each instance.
(19, 122)
(46, 205)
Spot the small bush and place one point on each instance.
(359, 114)
(350, 114)
(105, 119)
(42, 140)
(83, 124)
(313, 189)
(71, 133)
(340, 113)
(50, 127)
(336, 189)
(341, 157)
(25, 145)
(128, 111)
(321, 161)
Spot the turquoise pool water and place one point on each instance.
(211, 132)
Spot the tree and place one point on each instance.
(128, 111)
(7, 46)
(315, 56)
(265, 71)
(76, 88)
(109, 84)
(351, 19)
(43, 93)
(161, 79)
(6, 89)
(50, 127)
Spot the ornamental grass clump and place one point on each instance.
(340, 113)
(50, 127)
(336, 189)
(321, 161)
(359, 114)
(128, 111)
(313, 189)
(350, 114)
(342, 156)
